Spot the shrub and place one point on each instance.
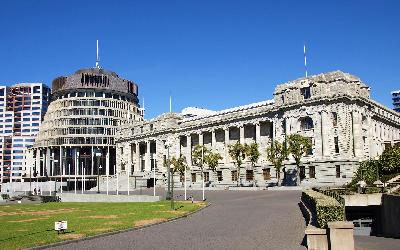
(5, 196)
(390, 160)
(325, 208)
(367, 171)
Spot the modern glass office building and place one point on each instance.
(396, 100)
(22, 107)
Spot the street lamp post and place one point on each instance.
(168, 144)
(30, 180)
(55, 179)
(202, 169)
(98, 155)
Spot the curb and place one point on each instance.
(61, 243)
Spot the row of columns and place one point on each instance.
(136, 157)
(45, 161)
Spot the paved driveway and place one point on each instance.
(235, 220)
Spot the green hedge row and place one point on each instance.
(324, 207)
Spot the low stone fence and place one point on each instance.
(338, 235)
(70, 197)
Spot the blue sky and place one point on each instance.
(210, 53)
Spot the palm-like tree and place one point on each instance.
(199, 151)
(253, 154)
(298, 146)
(212, 159)
(179, 164)
(238, 153)
(276, 154)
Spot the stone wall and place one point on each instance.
(336, 113)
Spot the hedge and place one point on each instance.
(325, 208)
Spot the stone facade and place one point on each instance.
(334, 110)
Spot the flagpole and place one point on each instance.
(305, 60)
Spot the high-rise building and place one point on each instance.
(396, 100)
(22, 107)
(77, 137)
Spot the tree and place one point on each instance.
(390, 160)
(253, 154)
(298, 146)
(212, 159)
(238, 153)
(199, 151)
(276, 154)
(179, 164)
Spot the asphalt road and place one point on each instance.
(235, 220)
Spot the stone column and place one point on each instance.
(287, 126)
(258, 133)
(61, 162)
(47, 161)
(371, 142)
(147, 157)
(226, 130)
(37, 161)
(325, 133)
(137, 157)
(341, 235)
(241, 134)
(189, 150)
(213, 140)
(201, 138)
(274, 126)
(316, 238)
(130, 162)
(357, 137)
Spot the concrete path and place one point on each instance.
(235, 220)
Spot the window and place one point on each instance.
(334, 119)
(311, 172)
(193, 177)
(206, 177)
(336, 141)
(302, 172)
(36, 89)
(267, 174)
(337, 171)
(306, 123)
(249, 175)
(234, 175)
(306, 92)
(219, 175)
(310, 150)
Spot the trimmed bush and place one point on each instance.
(5, 196)
(325, 208)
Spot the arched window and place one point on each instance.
(306, 123)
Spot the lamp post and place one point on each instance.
(30, 180)
(168, 144)
(202, 169)
(55, 179)
(98, 154)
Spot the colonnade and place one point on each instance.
(73, 161)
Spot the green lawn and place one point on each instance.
(23, 225)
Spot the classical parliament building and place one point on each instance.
(333, 109)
